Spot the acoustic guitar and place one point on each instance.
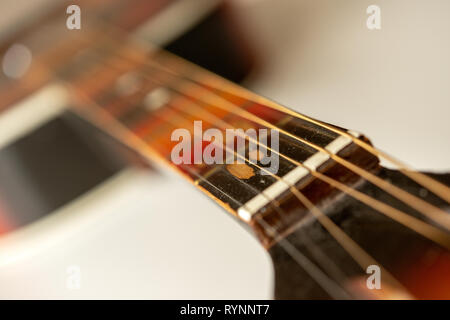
(78, 104)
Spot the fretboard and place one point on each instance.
(143, 99)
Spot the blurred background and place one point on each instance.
(315, 56)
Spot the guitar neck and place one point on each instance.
(157, 104)
(142, 95)
(146, 98)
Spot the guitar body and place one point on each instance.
(415, 260)
(102, 108)
(54, 137)
(44, 215)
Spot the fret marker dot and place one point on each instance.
(16, 61)
(241, 170)
(156, 98)
(128, 83)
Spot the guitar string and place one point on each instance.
(324, 262)
(353, 192)
(298, 256)
(104, 121)
(295, 192)
(432, 212)
(209, 79)
(349, 245)
(417, 225)
(429, 183)
(361, 257)
(365, 261)
(312, 209)
(310, 206)
(436, 187)
(427, 209)
(369, 261)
